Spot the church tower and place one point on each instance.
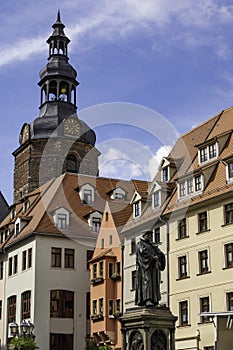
(57, 141)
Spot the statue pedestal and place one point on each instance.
(148, 328)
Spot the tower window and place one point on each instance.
(71, 164)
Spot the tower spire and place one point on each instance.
(58, 16)
(58, 78)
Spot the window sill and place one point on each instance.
(228, 224)
(184, 325)
(182, 278)
(205, 322)
(204, 231)
(227, 267)
(181, 238)
(203, 273)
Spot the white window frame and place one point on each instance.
(207, 151)
(61, 211)
(192, 182)
(118, 193)
(229, 178)
(135, 205)
(87, 187)
(156, 193)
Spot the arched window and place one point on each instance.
(63, 91)
(52, 90)
(61, 304)
(73, 95)
(71, 164)
(26, 305)
(11, 308)
(43, 94)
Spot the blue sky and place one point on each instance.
(170, 56)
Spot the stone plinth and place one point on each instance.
(148, 328)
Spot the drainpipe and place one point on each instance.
(122, 277)
(167, 253)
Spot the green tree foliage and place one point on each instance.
(23, 343)
(92, 345)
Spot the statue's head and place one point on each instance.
(147, 235)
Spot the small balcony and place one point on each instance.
(97, 280)
(116, 276)
(97, 317)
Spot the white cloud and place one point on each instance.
(155, 160)
(192, 23)
(22, 50)
(137, 161)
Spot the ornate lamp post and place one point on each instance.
(14, 329)
(26, 329)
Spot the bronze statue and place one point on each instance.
(150, 261)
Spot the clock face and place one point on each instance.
(25, 133)
(71, 127)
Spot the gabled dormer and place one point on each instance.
(167, 169)
(87, 193)
(61, 217)
(20, 223)
(118, 193)
(94, 220)
(136, 201)
(26, 205)
(158, 195)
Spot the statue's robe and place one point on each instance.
(148, 273)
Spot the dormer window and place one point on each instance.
(190, 186)
(61, 218)
(119, 196)
(13, 213)
(26, 206)
(118, 193)
(156, 200)
(198, 183)
(208, 153)
(137, 205)
(229, 171)
(167, 168)
(87, 194)
(61, 221)
(17, 226)
(96, 222)
(182, 189)
(165, 174)
(137, 209)
(17, 229)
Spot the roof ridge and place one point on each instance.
(205, 122)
